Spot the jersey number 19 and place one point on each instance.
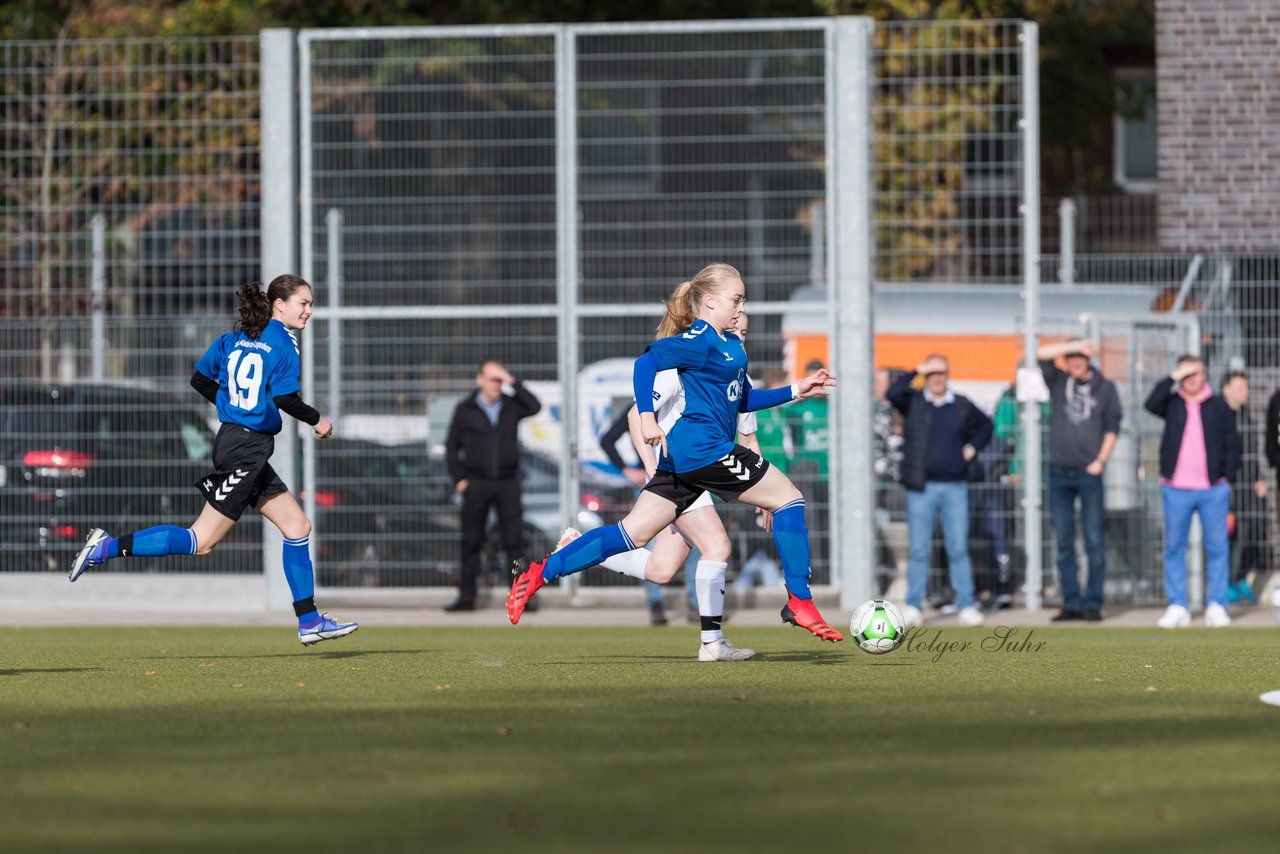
(244, 378)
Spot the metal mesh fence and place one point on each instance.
(128, 217)
(948, 173)
(948, 156)
(130, 214)
(438, 149)
(696, 147)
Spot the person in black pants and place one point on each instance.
(483, 454)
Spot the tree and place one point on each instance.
(144, 129)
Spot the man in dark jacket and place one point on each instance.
(942, 434)
(1084, 423)
(1199, 457)
(483, 453)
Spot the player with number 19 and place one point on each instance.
(250, 374)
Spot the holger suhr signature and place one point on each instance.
(1001, 639)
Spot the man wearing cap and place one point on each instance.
(1084, 421)
(942, 433)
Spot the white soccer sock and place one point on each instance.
(709, 583)
(628, 563)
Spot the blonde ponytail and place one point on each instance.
(680, 314)
(682, 305)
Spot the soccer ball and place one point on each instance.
(877, 626)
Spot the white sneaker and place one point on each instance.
(569, 535)
(971, 616)
(1174, 617)
(911, 616)
(1216, 617)
(723, 650)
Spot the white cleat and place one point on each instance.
(90, 555)
(327, 629)
(569, 535)
(1174, 617)
(1216, 617)
(971, 616)
(911, 616)
(723, 650)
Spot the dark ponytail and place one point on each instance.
(255, 306)
(255, 309)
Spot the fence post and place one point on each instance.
(1032, 487)
(851, 289)
(279, 145)
(333, 284)
(98, 289)
(567, 225)
(1067, 243)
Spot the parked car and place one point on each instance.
(77, 455)
(386, 517)
(603, 498)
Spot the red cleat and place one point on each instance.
(526, 584)
(803, 613)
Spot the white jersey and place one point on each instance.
(668, 403)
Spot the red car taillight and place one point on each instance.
(324, 498)
(57, 463)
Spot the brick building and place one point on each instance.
(1218, 108)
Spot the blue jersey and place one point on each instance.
(713, 371)
(251, 373)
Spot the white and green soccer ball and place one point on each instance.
(877, 626)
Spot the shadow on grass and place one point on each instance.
(336, 653)
(821, 657)
(824, 657)
(22, 671)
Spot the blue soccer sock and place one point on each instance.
(588, 550)
(791, 536)
(301, 578)
(154, 542)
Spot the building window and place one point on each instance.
(1134, 150)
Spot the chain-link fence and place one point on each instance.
(437, 157)
(477, 192)
(129, 215)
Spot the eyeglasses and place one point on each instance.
(737, 301)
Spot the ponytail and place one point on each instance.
(680, 314)
(255, 309)
(682, 305)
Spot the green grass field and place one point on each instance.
(558, 739)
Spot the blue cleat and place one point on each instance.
(326, 629)
(94, 553)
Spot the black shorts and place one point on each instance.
(242, 474)
(728, 477)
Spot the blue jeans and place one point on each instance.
(1065, 486)
(1212, 505)
(951, 501)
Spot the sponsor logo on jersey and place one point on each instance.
(251, 344)
(735, 390)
